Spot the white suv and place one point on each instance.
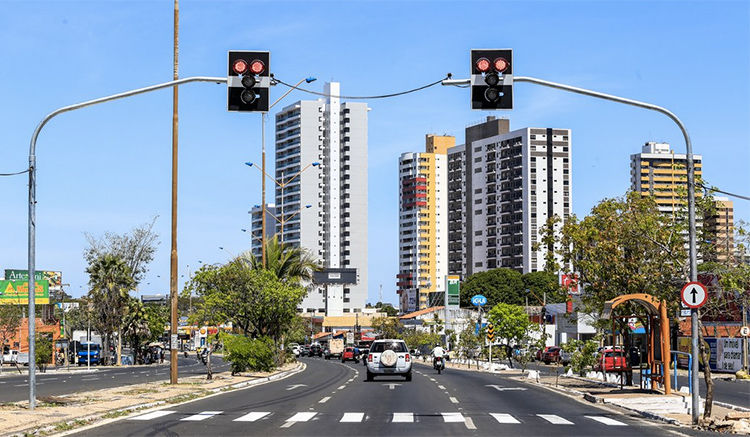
(389, 357)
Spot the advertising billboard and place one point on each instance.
(17, 292)
(54, 278)
(452, 292)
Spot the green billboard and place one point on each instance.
(452, 292)
(17, 292)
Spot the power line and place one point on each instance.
(380, 96)
(15, 174)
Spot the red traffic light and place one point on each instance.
(257, 66)
(500, 64)
(483, 65)
(239, 66)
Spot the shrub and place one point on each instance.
(43, 352)
(249, 354)
(583, 354)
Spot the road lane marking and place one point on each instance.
(432, 379)
(341, 387)
(469, 423)
(441, 387)
(324, 400)
(504, 418)
(454, 400)
(203, 415)
(453, 417)
(153, 415)
(293, 386)
(606, 420)
(301, 417)
(352, 417)
(403, 417)
(554, 419)
(252, 417)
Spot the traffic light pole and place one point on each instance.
(32, 202)
(691, 199)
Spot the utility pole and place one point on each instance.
(173, 253)
(263, 189)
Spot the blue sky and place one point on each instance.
(108, 167)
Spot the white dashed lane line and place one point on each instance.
(454, 400)
(324, 400)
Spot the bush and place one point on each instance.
(249, 354)
(43, 352)
(583, 354)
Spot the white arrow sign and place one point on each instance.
(499, 388)
(293, 386)
(391, 385)
(694, 294)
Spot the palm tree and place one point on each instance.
(287, 262)
(110, 280)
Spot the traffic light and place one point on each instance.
(492, 79)
(248, 80)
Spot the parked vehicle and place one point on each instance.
(335, 348)
(611, 360)
(349, 354)
(388, 357)
(316, 350)
(89, 352)
(439, 364)
(551, 355)
(10, 356)
(304, 351)
(540, 353)
(564, 357)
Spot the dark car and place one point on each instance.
(304, 351)
(316, 350)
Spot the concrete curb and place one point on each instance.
(145, 407)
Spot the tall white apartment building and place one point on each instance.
(515, 181)
(334, 227)
(423, 224)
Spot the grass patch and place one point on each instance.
(67, 426)
(139, 391)
(186, 397)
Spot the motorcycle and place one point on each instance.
(439, 364)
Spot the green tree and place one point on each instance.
(497, 285)
(512, 325)
(287, 262)
(249, 354)
(387, 327)
(468, 342)
(110, 280)
(136, 327)
(43, 351)
(541, 283)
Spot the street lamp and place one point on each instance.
(282, 183)
(264, 116)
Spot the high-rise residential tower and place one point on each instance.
(456, 208)
(423, 224)
(659, 172)
(334, 226)
(719, 228)
(515, 181)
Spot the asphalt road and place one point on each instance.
(731, 392)
(15, 388)
(331, 398)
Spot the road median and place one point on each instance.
(63, 414)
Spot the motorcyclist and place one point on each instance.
(437, 352)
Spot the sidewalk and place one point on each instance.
(63, 413)
(674, 409)
(12, 371)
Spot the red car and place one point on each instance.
(540, 353)
(349, 354)
(551, 354)
(611, 360)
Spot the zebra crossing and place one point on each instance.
(287, 420)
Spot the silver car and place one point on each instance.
(389, 357)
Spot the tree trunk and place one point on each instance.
(706, 372)
(209, 371)
(119, 347)
(104, 353)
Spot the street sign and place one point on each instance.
(684, 310)
(745, 331)
(349, 338)
(174, 343)
(694, 295)
(490, 332)
(452, 292)
(478, 300)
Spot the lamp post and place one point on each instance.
(264, 116)
(282, 184)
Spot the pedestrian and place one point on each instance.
(161, 356)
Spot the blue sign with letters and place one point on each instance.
(478, 300)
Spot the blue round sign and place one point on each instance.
(478, 300)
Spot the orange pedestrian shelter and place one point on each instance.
(657, 325)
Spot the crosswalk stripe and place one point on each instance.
(152, 415)
(504, 418)
(607, 421)
(352, 417)
(452, 417)
(252, 417)
(403, 417)
(554, 419)
(203, 415)
(302, 417)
